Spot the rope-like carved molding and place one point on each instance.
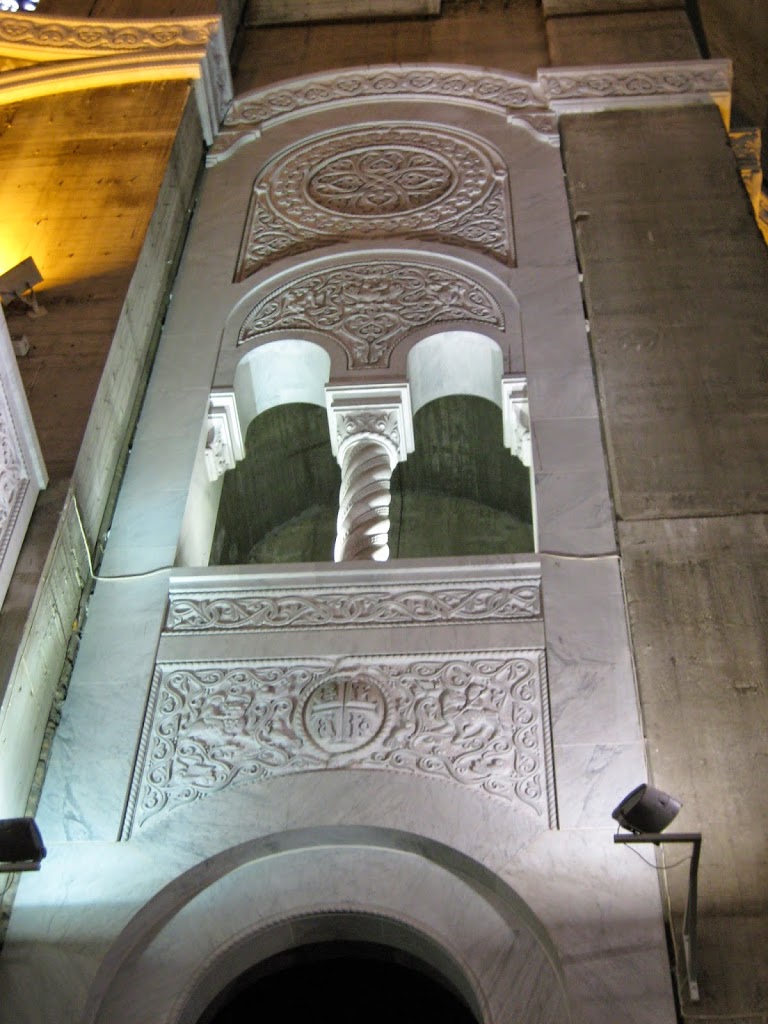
(479, 720)
(375, 181)
(472, 601)
(534, 104)
(369, 308)
(42, 38)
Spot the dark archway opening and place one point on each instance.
(343, 982)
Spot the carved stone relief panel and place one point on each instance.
(478, 720)
(470, 601)
(370, 307)
(379, 181)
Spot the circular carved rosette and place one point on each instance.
(343, 716)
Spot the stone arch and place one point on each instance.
(272, 894)
(375, 180)
(343, 302)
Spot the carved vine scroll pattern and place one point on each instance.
(479, 721)
(507, 601)
(370, 307)
(378, 182)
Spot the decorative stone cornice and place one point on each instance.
(71, 54)
(516, 418)
(584, 89)
(224, 444)
(533, 103)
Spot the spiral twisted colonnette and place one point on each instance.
(362, 526)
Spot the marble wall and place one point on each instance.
(202, 808)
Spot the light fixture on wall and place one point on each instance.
(646, 812)
(21, 845)
(19, 283)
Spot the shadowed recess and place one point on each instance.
(335, 981)
(459, 493)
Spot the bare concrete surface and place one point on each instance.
(676, 284)
(613, 38)
(490, 34)
(675, 280)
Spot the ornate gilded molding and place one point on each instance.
(534, 104)
(71, 54)
(478, 720)
(42, 38)
(471, 601)
(375, 181)
(369, 308)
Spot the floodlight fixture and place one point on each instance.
(646, 811)
(21, 845)
(19, 283)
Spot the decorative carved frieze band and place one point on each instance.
(599, 88)
(42, 38)
(516, 96)
(22, 473)
(479, 720)
(224, 445)
(471, 601)
(535, 104)
(379, 181)
(88, 53)
(370, 307)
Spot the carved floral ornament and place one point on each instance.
(479, 721)
(377, 181)
(532, 103)
(368, 308)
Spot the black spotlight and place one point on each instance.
(21, 845)
(646, 809)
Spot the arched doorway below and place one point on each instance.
(342, 981)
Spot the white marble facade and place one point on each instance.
(203, 806)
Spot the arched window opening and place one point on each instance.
(279, 504)
(460, 492)
(342, 981)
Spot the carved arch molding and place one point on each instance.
(369, 308)
(379, 181)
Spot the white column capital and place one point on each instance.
(516, 418)
(224, 443)
(370, 411)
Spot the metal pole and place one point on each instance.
(690, 919)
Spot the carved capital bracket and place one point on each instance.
(224, 444)
(371, 431)
(516, 418)
(380, 411)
